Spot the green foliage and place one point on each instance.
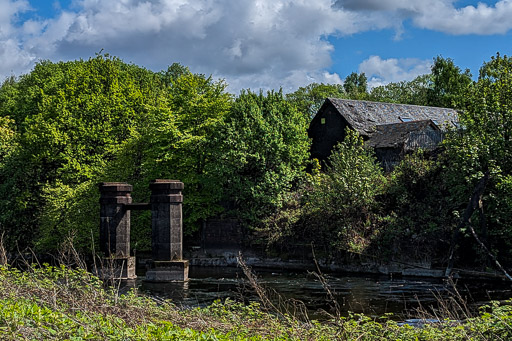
(488, 114)
(445, 86)
(309, 99)
(354, 176)
(7, 137)
(356, 86)
(342, 204)
(404, 92)
(58, 303)
(486, 145)
(72, 119)
(263, 153)
(420, 211)
(183, 145)
(449, 84)
(67, 126)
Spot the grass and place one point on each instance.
(60, 303)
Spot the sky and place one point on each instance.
(259, 44)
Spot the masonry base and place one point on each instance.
(171, 271)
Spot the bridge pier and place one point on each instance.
(166, 226)
(167, 232)
(115, 231)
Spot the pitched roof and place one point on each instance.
(395, 134)
(363, 116)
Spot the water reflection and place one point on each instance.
(369, 295)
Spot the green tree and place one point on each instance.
(183, 145)
(309, 99)
(404, 92)
(486, 145)
(83, 122)
(356, 86)
(263, 151)
(341, 207)
(7, 137)
(449, 83)
(72, 119)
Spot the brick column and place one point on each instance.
(166, 219)
(115, 230)
(115, 218)
(167, 232)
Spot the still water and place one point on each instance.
(375, 295)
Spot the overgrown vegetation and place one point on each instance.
(57, 303)
(414, 212)
(66, 126)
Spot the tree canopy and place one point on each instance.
(356, 85)
(263, 153)
(66, 126)
(309, 99)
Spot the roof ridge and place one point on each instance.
(388, 103)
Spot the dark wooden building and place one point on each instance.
(392, 142)
(394, 128)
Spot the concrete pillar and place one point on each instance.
(115, 230)
(166, 219)
(167, 232)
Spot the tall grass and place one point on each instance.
(43, 302)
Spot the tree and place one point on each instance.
(341, 208)
(183, 145)
(262, 154)
(486, 146)
(7, 137)
(449, 83)
(404, 92)
(309, 99)
(356, 85)
(82, 122)
(72, 119)
(173, 72)
(486, 117)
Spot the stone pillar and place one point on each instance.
(115, 231)
(167, 232)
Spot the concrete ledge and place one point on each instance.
(423, 273)
(172, 271)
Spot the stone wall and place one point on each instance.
(221, 234)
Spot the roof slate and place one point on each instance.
(363, 116)
(395, 134)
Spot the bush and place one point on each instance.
(342, 207)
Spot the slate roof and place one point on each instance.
(397, 134)
(363, 116)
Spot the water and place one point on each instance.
(372, 295)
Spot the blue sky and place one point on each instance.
(259, 43)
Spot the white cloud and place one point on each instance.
(266, 43)
(482, 19)
(439, 15)
(383, 71)
(251, 43)
(9, 11)
(13, 58)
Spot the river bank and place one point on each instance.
(397, 268)
(56, 303)
(373, 295)
(304, 260)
